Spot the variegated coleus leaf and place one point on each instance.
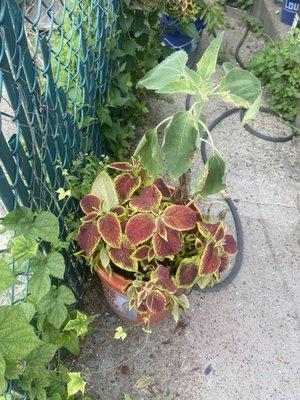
(149, 198)
(180, 218)
(119, 210)
(90, 203)
(167, 248)
(164, 280)
(122, 257)
(210, 261)
(224, 263)
(110, 229)
(186, 273)
(156, 301)
(208, 230)
(161, 229)
(121, 166)
(88, 237)
(126, 185)
(229, 245)
(163, 188)
(90, 217)
(140, 228)
(141, 253)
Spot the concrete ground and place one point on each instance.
(243, 342)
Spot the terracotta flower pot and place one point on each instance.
(114, 288)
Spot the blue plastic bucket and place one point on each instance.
(173, 36)
(289, 9)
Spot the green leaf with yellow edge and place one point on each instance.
(80, 324)
(180, 143)
(76, 384)
(206, 67)
(17, 337)
(104, 188)
(22, 248)
(150, 153)
(7, 277)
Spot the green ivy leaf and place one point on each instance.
(3, 383)
(56, 264)
(120, 333)
(104, 188)
(150, 153)
(76, 384)
(17, 338)
(80, 324)
(7, 277)
(21, 248)
(211, 180)
(72, 343)
(46, 227)
(40, 283)
(180, 143)
(206, 67)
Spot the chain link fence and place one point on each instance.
(54, 75)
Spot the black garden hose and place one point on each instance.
(230, 203)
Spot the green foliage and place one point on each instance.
(184, 130)
(254, 24)
(277, 65)
(242, 4)
(37, 326)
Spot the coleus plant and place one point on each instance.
(136, 225)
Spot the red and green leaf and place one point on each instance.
(141, 253)
(186, 273)
(167, 248)
(119, 210)
(224, 264)
(110, 229)
(156, 301)
(164, 280)
(163, 188)
(207, 230)
(149, 198)
(210, 262)
(162, 229)
(122, 257)
(88, 237)
(121, 166)
(90, 217)
(90, 203)
(140, 228)
(126, 185)
(229, 245)
(180, 218)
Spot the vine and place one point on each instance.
(42, 319)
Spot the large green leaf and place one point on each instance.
(170, 76)
(40, 283)
(53, 304)
(56, 264)
(22, 249)
(3, 383)
(18, 220)
(7, 278)
(104, 188)
(240, 87)
(42, 355)
(150, 153)
(211, 179)
(206, 67)
(17, 338)
(46, 227)
(180, 143)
